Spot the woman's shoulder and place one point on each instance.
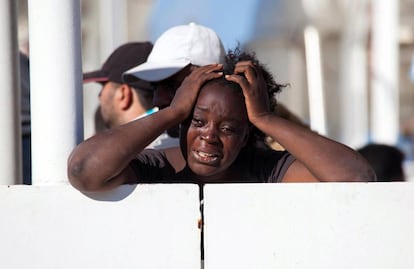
(266, 164)
(175, 158)
(259, 152)
(156, 166)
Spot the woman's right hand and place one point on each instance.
(251, 80)
(186, 95)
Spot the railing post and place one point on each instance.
(384, 72)
(314, 74)
(56, 89)
(10, 142)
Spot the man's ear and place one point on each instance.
(125, 96)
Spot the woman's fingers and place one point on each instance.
(187, 93)
(251, 80)
(248, 69)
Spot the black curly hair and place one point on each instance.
(237, 55)
(257, 137)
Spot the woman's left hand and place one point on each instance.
(251, 80)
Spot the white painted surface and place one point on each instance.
(353, 75)
(55, 86)
(144, 226)
(315, 80)
(385, 72)
(113, 22)
(10, 139)
(327, 225)
(312, 226)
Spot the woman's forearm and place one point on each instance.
(105, 156)
(326, 159)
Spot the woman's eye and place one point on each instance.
(228, 130)
(196, 122)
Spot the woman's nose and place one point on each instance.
(209, 134)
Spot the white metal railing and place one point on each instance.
(266, 226)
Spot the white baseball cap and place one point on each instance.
(175, 49)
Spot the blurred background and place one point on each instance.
(348, 63)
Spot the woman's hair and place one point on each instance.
(237, 55)
(257, 137)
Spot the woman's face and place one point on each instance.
(217, 131)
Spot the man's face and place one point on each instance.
(107, 104)
(165, 91)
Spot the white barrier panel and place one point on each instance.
(144, 226)
(312, 226)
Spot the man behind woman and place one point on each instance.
(225, 112)
(176, 53)
(121, 102)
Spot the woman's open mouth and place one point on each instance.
(206, 157)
